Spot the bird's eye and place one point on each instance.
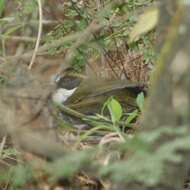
(55, 78)
(68, 82)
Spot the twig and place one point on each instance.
(19, 38)
(43, 48)
(2, 145)
(14, 22)
(39, 34)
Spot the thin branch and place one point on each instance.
(39, 34)
(43, 48)
(19, 38)
(2, 145)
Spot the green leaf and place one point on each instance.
(2, 6)
(140, 101)
(115, 110)
(131, 116)
(105, 106)
(147, 21)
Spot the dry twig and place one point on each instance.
(39, 35)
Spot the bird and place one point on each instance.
(89, 94)
(66, 86)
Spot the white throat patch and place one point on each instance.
(62, 94)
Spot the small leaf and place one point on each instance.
(131, 117)
(147, 21)
(115, 110)
(140, 101)
(105, 106)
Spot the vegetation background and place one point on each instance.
(129, 142)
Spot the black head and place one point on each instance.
(69, 82)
